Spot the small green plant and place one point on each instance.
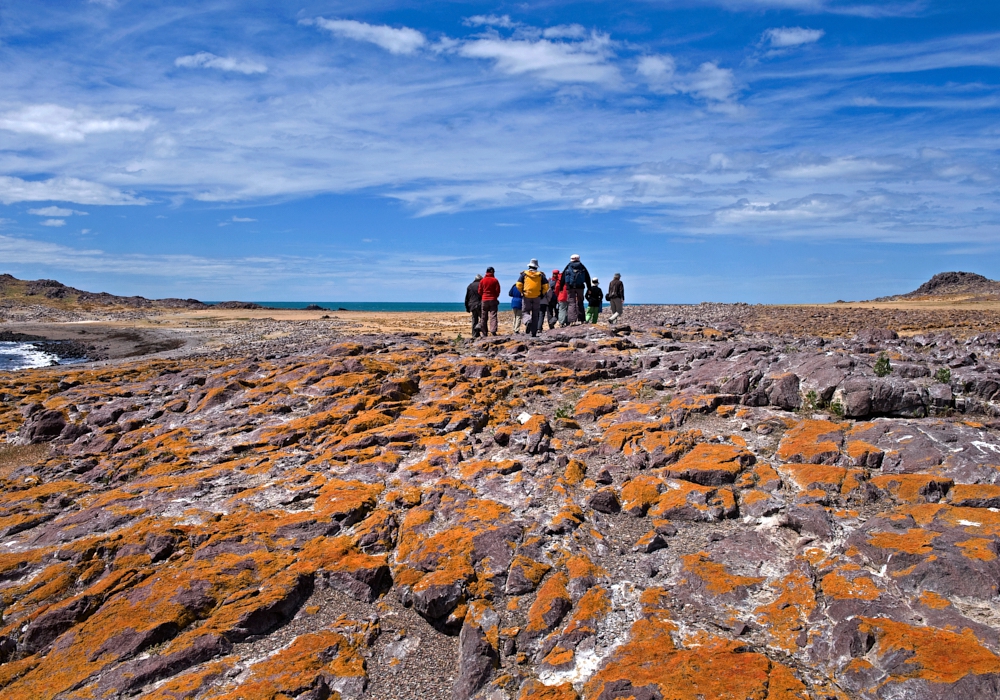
(882, 367)
(811, 401)
(646, 392)
(943, 375)
(458, 339)
(837, 409)
(564, 411)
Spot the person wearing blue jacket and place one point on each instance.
(515, 305)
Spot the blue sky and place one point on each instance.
(748, 150)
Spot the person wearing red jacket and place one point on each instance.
(552, 299)
(489, 292)
(562, 300)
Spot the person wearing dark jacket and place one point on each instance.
(489, 293)
(575, 278)
(515, 306)
(595, 300)
(473, 304)
(616, 297)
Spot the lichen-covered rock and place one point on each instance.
(405, 516)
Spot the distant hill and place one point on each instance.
(967, 286)
(14, 292)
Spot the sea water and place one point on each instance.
(15, 355)
(372, 306)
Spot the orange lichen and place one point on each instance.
(785, 617)
(715, 576)
(543, 613)
(978, 548)
(934, 601)
(640, 493)
(535, 690)
(912, 488)
(811, 441)
(594, 405)
(915, 541)
(934, 655)
(836, 585)
(719, 463)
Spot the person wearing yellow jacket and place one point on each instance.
(533, 286)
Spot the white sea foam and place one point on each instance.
(24, 356)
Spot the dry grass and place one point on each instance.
(14, 456)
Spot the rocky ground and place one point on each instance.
(682, 506)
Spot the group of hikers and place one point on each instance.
(558, 298)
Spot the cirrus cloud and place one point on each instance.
(585, 61)
(786, 37)
(65, 124)
(398, 41)
(63, 189)
(204, 59)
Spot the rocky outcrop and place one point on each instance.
(597, 513)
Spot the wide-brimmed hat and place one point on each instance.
(574, 258)
(594, 280)
(617, 275)
(533, 265)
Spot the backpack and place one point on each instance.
(572, 276)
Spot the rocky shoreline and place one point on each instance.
(677, 506)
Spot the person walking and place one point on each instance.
(575, 277)
(489, 293)
(473, 304)
(552, 299)
(533, 287)
(515, 306)
(595, 300)
(616, 297)
(562, 299)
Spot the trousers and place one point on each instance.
(533, 309)
(490, 309)
(475, 322)
(593, 313)
(563, 312)
(517, 320)
(576, 313)
(552, 314)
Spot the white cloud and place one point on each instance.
(242, 219)
(62, 189)
(604, 201)
(224, 63)
(55, 223)
(398, 41)
(502, 21)
(785, 37)
(838, 168)
(565, 31)
(710, 83)
(65, 124)
(51, 211)
(864, 102)
(584, 61)
(659, 72)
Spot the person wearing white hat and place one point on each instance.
(575, 278)
(595, 300)
(533, 286)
